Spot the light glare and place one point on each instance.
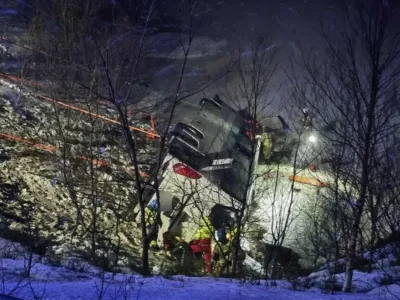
(312, 139)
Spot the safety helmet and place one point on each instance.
(153, 205)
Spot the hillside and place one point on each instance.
(47, 177)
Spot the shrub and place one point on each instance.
(77, 265)
(188, 266)
(301, 284)
(330, 284)
(9, 252)
(386, 280)
(361, 264)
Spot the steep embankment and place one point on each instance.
(65, 176)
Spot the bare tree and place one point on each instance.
(349, 85)
(114, 97)
(249, 91)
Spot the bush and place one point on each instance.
(397, 260)
(9, 253)
(77, 265)
(386, 280)
(396, 253)
(273, 283)
(189, 266)
(53, 259)
(301, 284)
(330, 285)
(361, 264)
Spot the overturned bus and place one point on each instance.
(208, 166)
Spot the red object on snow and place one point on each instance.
(203, 246)
(312, 167)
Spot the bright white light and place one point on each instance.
(312, 139)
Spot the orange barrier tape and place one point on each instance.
(53, 150)
(32, 83)
(43, 147)
(96, 162)
(149, 134)
(15, 138)
(18, 79)
(47, 148)
(308, 180)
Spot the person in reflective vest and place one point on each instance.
(176, 246)
(266, 144)
(224, 251)
(201, 243)
(152, 228)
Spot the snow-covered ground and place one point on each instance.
(60, 283)
(79, 280)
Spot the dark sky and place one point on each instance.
(283, 19)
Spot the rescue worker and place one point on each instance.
(275, 140)
(176, 245)
(152, 227)
(201, 243)
(266, 144)
(224, 251)
(252, 127)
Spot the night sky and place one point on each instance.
(237, 19)
(287, 21)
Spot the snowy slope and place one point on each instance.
(88, 286)
(79, 280)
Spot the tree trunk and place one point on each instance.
(145, 254)
(364, 183)
(372, 244)
(349, 275)
(133, 152)
(351, 255)
(274, 271)
(267, 262)
(237, 243)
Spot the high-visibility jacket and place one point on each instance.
(150, 216)
(266, 145)
(205, 230)
(230, 236)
